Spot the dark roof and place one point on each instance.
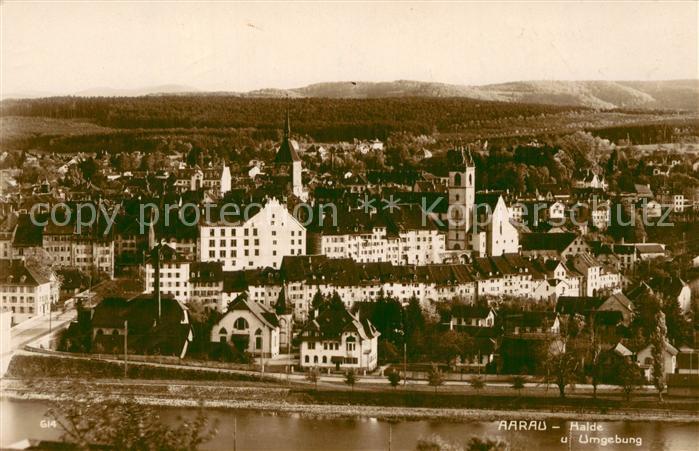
(238, 281)
(470, 311)
(26, 233)
(547, 241)
(331, 323)
(286, 152)
(318, 269)
(206, 272)
(530, 319)
(577, 305)
(668, 286)
(15, 272)
(148, 333)
(270, 319)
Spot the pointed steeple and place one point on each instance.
(287, 125)
(286, 152)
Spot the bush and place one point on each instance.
(394, 378)
(518, 383)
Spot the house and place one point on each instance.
(590, 270)
(338, 339)
(471, 316)
(650, 251)
(26, 290)
(235, 237)
(532, 324)
(672, 288)
(557, 245)
(644, 358)
(618, 302)
(151, 327)
(250, 327)
(174, 273)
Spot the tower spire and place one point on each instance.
(287, 125)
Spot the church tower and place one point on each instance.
(462, 197)
(287, 162)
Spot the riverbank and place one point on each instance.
(329, 403)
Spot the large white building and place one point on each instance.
(174, 273)
(338, 339)
(404, 236)
(250, 327)
(26, 291)
(253, 237)
(86, 251)
(493, 233)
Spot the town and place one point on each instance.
(462, 261)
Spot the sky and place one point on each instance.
(68, 47)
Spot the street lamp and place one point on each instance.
(405, 354)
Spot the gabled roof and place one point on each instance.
(266, 317)
(15, 272)
(470, 311)
(331, 323)
(668, 286)
(619, 298)
(148, 333)
(547, 241)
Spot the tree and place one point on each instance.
(88, 168)
(658, 339)
(388, 353)
(477, 383)
(628, 377)
(312, 375)
(87, 421)
(350, 378)
(561, 363)
(336, 302)
(394, 378)
(447, 346)
(281, 307)
(518, 384)
(317, 303)
(435, 377)
(679, 329)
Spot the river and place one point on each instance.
(264, 431)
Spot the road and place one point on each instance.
(39, 326)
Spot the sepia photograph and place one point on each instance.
(349, 225)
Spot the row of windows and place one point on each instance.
(347, 360)
(246, 232)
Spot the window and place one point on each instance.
(306, 359)
(325, 359)
(258, 339)
(311, 345)
(241, 324)
(351, 344)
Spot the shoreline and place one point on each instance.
(382, 413)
